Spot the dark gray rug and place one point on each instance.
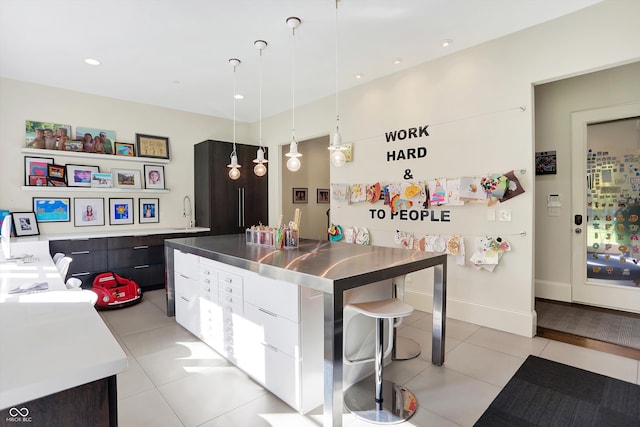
(547, 393)
(609, 327)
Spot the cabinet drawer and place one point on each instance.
(185, 264)
(133, 241)
(133, 256)
(272, 295)
(207, 273)
(272, 330)
(147, 276)
(88, 261)
(270, 367)
(76, 245)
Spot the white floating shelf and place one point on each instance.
(91, 189)
(57, 153)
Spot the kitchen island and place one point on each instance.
(328, 269)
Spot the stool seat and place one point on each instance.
(383, 309)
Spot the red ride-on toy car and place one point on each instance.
(115, 291)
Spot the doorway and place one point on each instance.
(605, 261)
(308, 188)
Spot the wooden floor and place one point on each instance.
(603, 346)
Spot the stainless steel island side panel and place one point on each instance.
(331, 268)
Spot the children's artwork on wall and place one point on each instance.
(453, 193)
(52, 209)
(489, 251)
(514, 188)
(358, 193)
(339, 192)
(49, 136)
(470, 188)
(36, 166)
(438, 192)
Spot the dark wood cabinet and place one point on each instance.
(140, 258)
(222, 204)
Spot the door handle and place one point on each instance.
(578, 230)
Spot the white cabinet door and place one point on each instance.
(187, 291)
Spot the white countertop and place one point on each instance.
(118, 233)
(50, 347)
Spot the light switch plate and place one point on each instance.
(504, 215)
(491, 214)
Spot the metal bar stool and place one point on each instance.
(391, 404)
(403, 348)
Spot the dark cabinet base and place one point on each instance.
(92, 404)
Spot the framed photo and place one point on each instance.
(25, 224)
(88, 211)
(103, 140)
(126, 178)
(79, 175)
(322, 195)
(36, 166)
(149, 210)
(52, 209)
(152, 146)
(153, 176)
(120, 211)
(299, 195)
(101, 180)
(125, 149)
(38, 181)
(545, 162)
(56, 183)
(73, 145)
(51, 136)
(56, 172)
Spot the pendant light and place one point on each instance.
(293, 164)
(234, 171)
(260, 169)
(336, 155)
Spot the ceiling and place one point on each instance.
(174, 53)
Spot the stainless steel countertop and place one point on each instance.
(322, 265)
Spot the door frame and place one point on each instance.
(610, 296)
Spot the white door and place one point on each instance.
(606, 207)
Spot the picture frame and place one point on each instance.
(38, 181)
(154, 176)
(152, 146)
(125, 149)
(546, 163)
(126, 178)
(36, 166)
(121, 211)
(56, 183)
(299, 195)
(322, 195)
(56, 172)
(149, 210)
(106, 137)
(80, 175)
(52, 209)
(25, 224)
(101, 180)
(73, 145)
(88, 211)
(44, 135)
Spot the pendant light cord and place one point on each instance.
(337, 108)
(234, 111)
(260, 98)
(293, 85)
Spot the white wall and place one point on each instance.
(471, 101)
(21, 101)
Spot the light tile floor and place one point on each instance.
(175, 380)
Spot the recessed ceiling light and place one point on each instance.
(447, 42)
(239, 96)
(91, 61)
(397, 61)
(358, 76)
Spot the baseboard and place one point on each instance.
(518, 323)
(557, 291)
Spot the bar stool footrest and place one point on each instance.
(398, 403)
